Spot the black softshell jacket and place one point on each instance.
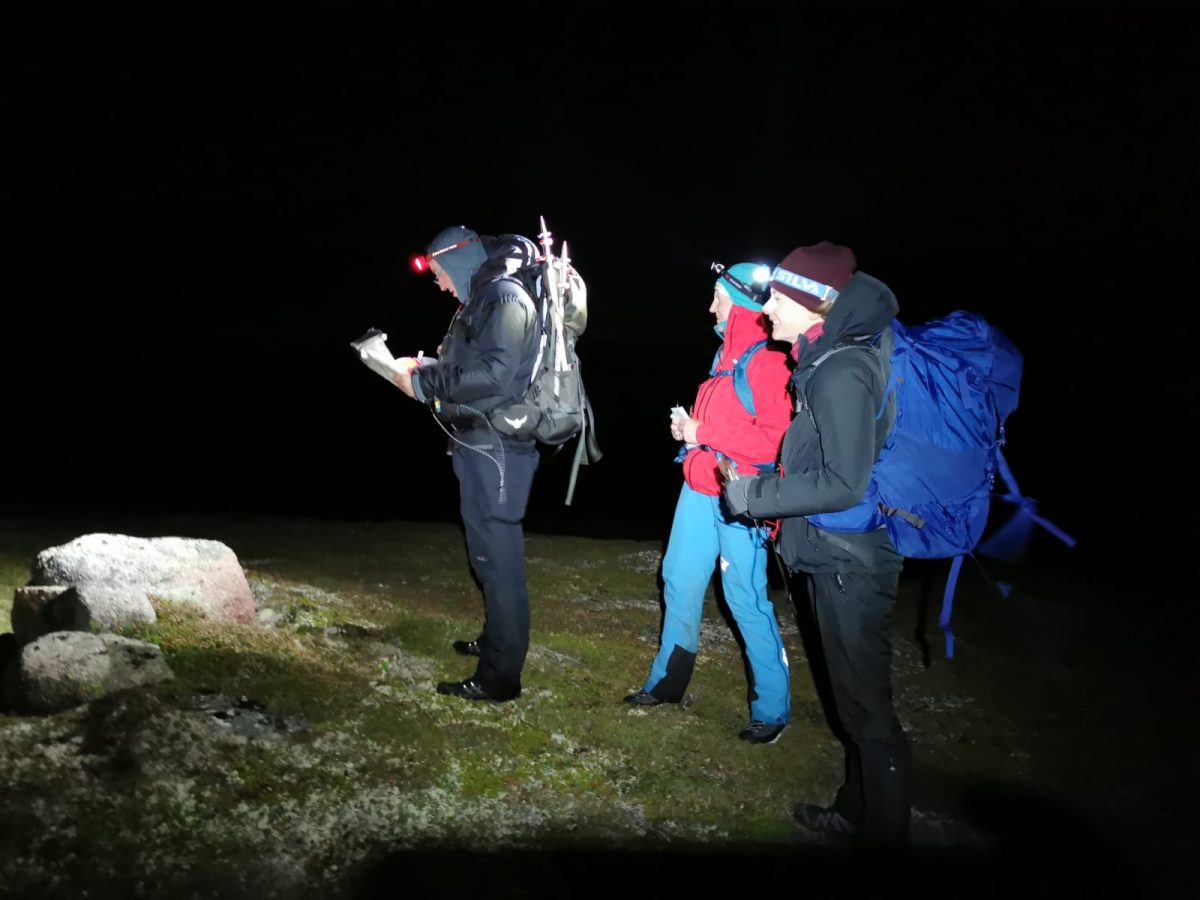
(486, 360)
(834, 439)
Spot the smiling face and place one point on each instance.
(442, 279)
(721, 304)
(788, 318)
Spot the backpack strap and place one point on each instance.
(767, 468)
(880, 346)
(741, 380)
(948, 595)
(887, 344)
(845, 546)
(1010, 541)
(745, 394)
(948, 604)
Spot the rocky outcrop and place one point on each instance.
(99, 582)
(69, 668)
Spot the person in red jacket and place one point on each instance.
(746, 430)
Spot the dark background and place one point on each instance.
(204, 208)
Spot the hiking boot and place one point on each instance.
(467, 648)
(643, 698)
(472, 690)
(757, 732)
(824, 820)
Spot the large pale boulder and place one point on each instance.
(69, 668)
(99, 582)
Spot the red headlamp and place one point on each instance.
(420, 261)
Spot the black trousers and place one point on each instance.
(854, 616)
(492, 510)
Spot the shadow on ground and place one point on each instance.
(1038, 850)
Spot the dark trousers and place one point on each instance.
(854, 615)
(496, 543)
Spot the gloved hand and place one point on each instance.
(737, 499)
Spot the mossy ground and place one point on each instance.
(142, 795)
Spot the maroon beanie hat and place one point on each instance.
(812, 275)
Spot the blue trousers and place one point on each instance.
(700, 536)
(496, 542)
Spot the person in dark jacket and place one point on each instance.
(818, 303)
(483, 367)
(721, 427)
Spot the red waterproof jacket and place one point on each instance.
(726, 425)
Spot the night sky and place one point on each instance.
(203, 211)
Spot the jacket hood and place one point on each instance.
(864, 308)
(461, 263)
(504, 255)
(743, 328)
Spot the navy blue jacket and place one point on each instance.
(486, 360)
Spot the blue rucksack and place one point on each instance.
(956, 380)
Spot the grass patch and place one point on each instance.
(147, 788)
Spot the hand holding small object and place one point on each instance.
(678, 414)
(688, 429)
(683, 426)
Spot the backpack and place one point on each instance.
(956, 380)
(555, 407)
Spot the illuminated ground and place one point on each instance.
(1043, 747)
